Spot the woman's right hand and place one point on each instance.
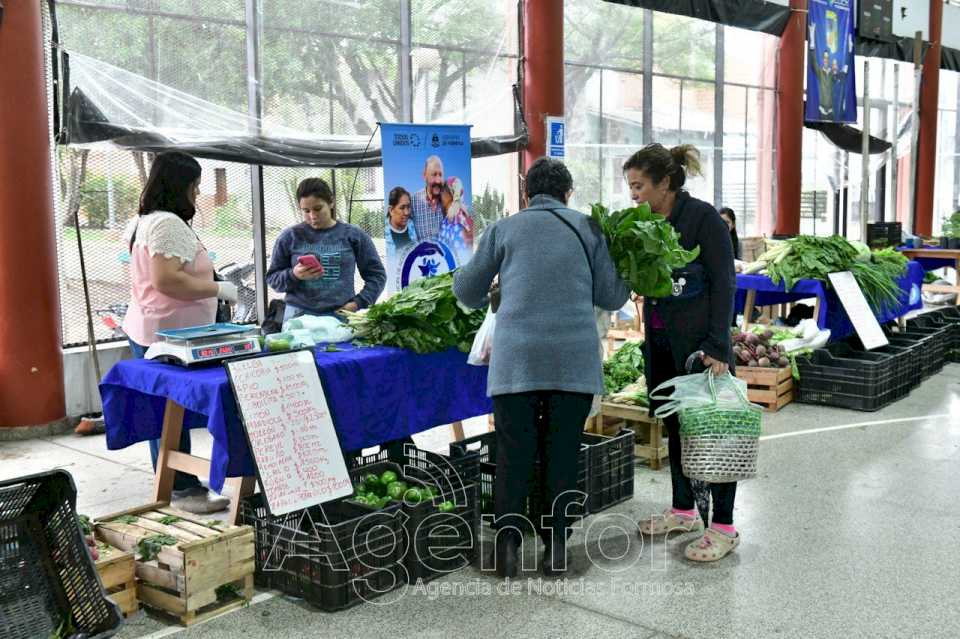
(305, 273)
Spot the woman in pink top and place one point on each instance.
(172, 284)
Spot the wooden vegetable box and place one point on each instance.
(207, 572)
(772, 388)
(117, 572)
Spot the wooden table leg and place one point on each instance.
(748, 305)
(169, 441)
(240, 488)
(456, 429)
(656, 440)
(956, 279)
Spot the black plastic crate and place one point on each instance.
(483, 449)
(334, 556)
(911, 363)
(611, 469)
(949, 316)
(930, 344)
(843, 400)
(883, 234)
(857, 380)
(434, 542)
(47, 576)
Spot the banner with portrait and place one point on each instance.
(428, 212)
(831, 83)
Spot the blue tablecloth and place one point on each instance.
(832, 315)
(375, 395)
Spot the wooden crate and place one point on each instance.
(118, 574)
(772, 388)
(649, 444)
(752, 247)
(183, 580)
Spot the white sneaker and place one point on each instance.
(198, 501)
(669, 521)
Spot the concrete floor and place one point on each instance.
(848, 531)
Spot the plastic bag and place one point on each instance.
(483, 341)
(318, 329)
(719, 427)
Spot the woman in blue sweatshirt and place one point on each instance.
(340, 248)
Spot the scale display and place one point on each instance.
(207, 343)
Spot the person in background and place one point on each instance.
(731, 219)
(172, 285)
(695, 319)
(341, 249)
(427, 209)
(400, 233)
(456, 228)
(554, 267)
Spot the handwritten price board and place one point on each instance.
(284, 412)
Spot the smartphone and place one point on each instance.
(310, 261)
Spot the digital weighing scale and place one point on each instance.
(200, 344)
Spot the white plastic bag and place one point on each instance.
(319, 329)
(483, 342)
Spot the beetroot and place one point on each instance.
(783, 362)
(752, 339)
(761, 350)
(764, 362)
(752, 363)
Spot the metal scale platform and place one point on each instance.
(202, 344)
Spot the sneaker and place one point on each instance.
(199, 501)
(713, 546)
(669, 521)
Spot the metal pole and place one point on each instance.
(894, 153)
(406, 67)
(865, 155)
(718, 121)
(647, 76)
(915, 131)
(254, 113)
(602, 140)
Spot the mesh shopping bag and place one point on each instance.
(719, 427)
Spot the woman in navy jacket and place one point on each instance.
(694, 319)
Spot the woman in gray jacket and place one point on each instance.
(554, 267)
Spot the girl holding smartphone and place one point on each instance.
(314, 263)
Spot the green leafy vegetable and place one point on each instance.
(170, 519)
(809, 257)
(624, 367)
(150, 547)
(332, 349)
(124, 519)
(645, 248)
(86, 527)
(425, 317)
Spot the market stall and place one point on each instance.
(932, 259)
(760, 290)
(375, 395)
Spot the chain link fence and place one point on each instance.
(327, 67)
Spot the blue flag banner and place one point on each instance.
(831, 85)
(427, 200)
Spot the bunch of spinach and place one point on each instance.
(645, 248)
(425, 317)
(623, 368)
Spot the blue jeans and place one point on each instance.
(182, 481)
